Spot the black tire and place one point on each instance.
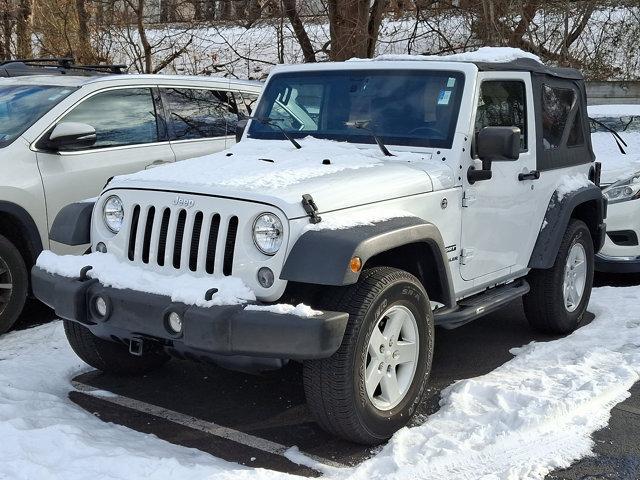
(334, 387)
(544, 305)
(110, 357)
(13, 271)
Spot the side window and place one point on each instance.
(241, 106)
(503, 103)
(247, 103)
(557, 105)
(121, 117)
(196, 113)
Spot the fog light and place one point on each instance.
(175, 322)
(101, 306)
(265, 277)
(101, 247)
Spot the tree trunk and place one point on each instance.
(348, 25)
(291, 10)
(84, 50)
(24, 28)
(144, 40)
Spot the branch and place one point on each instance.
(172, 57)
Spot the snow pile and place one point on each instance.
(301, 310)
(571, 183)
(483, 54)
(249, 165)
(620, 110)
(531, 415)
(185, 288)
(343, 220)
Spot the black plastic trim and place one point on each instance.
(33, 239)
(72, 225)
(608, 264)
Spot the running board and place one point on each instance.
(480, 304)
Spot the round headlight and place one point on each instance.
(267, 233)
(113, 213)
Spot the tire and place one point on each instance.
(13, 274)
(335, 387)
(545, 305)
(110, 357)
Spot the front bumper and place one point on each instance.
(610, 264)
(207, 332)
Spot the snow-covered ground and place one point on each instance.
(531, 415)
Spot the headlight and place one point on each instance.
(113, 213)
(628, 189)
(267, 233)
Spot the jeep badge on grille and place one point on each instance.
(183, 202)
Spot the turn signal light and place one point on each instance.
(355, 264)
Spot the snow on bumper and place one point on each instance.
(138, 304)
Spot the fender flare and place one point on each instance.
(28, 226)
(556, 220)
(322, 257)
(72, 225)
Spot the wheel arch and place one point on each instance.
(586, 204)
(321, 257)
(19, 227)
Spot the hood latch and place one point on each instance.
(311, 208)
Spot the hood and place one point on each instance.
(336, 174)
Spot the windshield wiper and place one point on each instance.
(616, 135)
(364, 125)
(272, 123)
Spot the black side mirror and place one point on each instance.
(494, 144)
(71, 135)
(240, 127)
(498, 144)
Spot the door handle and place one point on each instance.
(532, 175)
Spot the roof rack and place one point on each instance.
(54, 66)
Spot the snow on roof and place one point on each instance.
(482, 55)
(598, 111)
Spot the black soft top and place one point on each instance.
(530, 65)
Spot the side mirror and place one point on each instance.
(498, 144)
(72, 134)
(494, 144)
(240, 127)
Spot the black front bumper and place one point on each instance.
(218, 330)
(608, 264)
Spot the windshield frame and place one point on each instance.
(27, 125)
(362, 137)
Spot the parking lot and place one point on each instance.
(255, 420)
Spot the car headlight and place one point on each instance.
(624, 190)
(113, 213)
(267, 233)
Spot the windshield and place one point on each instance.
(401, 107)
(22, 105)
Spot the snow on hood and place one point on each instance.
(483, 54)
(336, 174)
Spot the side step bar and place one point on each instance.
(480, 304)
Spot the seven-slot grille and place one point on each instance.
(178, 238)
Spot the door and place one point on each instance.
(129, 138)
(497, 224)
(197, 120)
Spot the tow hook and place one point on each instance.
(136, 346)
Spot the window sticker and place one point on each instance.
(444, 97)
(451, 82)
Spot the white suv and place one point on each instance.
(62, 138)
(367, 202)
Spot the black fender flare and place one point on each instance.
(322, 257)
(72, 225)
(559, 213)
(29, 230)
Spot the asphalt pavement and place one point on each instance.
(253, 420)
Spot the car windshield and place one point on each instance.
(22, 105)
(401, 107)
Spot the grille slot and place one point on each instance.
(230, 245)
(178, 238)
(134, 230)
